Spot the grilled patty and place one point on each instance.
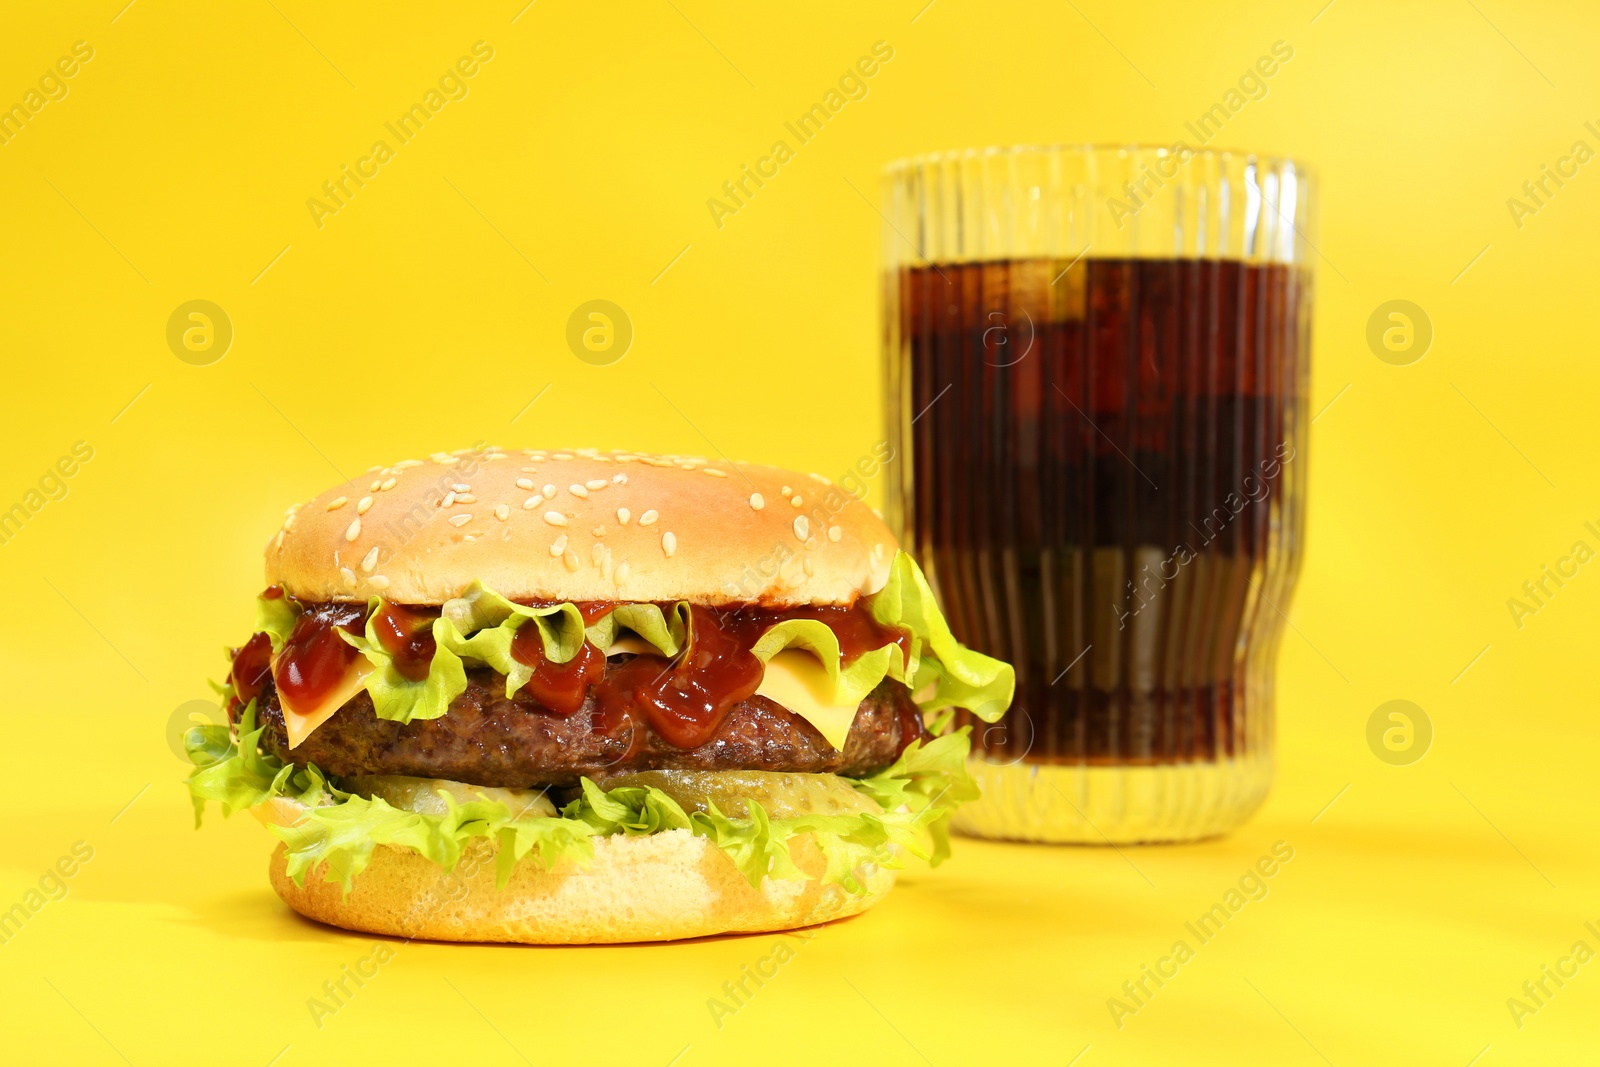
(486, 739)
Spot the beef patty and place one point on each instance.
(486, 739)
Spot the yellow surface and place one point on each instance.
(429, 312)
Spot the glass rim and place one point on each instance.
(897, 167)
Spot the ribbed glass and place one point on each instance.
(1096, 365)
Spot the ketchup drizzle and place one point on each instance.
(315, 659)
(407, 635)
(561, 687)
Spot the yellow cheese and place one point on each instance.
(794, 679)
(637, 645)
(797, 681)
(299, 722)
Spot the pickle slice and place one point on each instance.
(781, 795)
(421, 795)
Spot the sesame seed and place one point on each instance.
(623, 515)
(462, 488)
(449, 498)
(532, 502)
(716, 473)
(559, 545)
(757, 501)
(623, 570)
(461, 519)
(570, 558)
(525, 483)
(370, 560)
(388, 484)
(834, 533)
(802, 527)
(809, 567)
(502, 512)
(814, 476)
(597, 553)
(795, 500)
(578, 491)
(363, 505)
(596, 483)
(466, 498)
(353, 531)
(619, 479)
(349, 576)
(337, 502)
(561, 455)
(648, 517)
(550, 492)
(786, 490)
(407, 464)
(279, 543)
(373, 488)
(599, 531)
(555, 518)
(669, 543)
(379, 581)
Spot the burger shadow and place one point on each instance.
(259, 915)
(263, 917)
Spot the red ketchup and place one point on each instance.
(561, 687)
(315, 659)
(252, 666)
(407, 635)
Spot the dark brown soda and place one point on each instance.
(1105, 486)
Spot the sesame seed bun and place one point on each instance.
(583, 525)
(659, 887)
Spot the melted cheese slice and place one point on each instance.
(797, 681)
(299, 722)
(794, 679)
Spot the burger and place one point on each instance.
(567, 697)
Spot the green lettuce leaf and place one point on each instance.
(238, 775)
(493, 622)
(275, 617)
(930, 779)
(668, 633)
(951, 675)
(394, 696)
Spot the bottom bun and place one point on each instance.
(659, 887)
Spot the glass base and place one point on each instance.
(1086, 805)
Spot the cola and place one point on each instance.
(1104, 482)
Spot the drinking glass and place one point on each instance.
(1096, 378)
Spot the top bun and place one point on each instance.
(583, 525)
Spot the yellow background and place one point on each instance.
(178, 167)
